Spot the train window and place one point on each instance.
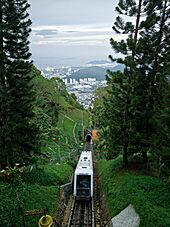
(83, 192)
(83, 181)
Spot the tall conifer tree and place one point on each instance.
(142, 84)
(19, 135)
(154, 57)
(126, 107)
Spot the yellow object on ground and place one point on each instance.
(45, 221)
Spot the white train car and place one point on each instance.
(83, 177)
(88, 138)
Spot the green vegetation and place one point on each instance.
(134, 115)
(48, 175)
(19, 135)
(37, 132)
(58, 116)
(149, 195)
(68, 125)
(94, 71)
(86, 119)
(34, 189)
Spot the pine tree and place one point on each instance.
(19, 135)
(158, 78)
(128, 48)
(142, 85)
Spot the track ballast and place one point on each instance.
(82, 214)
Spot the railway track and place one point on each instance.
(82, 214)
(88, 147)
(82, 211)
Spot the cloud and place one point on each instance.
(45, 33)
(79, 40)
(89, 34)
(74, 28)
(63, 28)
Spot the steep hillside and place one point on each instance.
(150, 196)
(60, 117)
(60, 120)
(95, 72)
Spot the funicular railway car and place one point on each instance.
(88, 140)
(87, 135)
(83, 177)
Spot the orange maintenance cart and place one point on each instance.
(94, 134)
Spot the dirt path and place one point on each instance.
(74, 134)
(82, 118)
(64, 129)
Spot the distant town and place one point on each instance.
(83, 80)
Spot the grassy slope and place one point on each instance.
(149, 196)
(39, 189)
(70, 114)
(70, 124)
(86, 118)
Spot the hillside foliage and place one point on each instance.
(150, 196)
(29, 190)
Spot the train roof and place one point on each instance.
(85, 163)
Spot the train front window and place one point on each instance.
(83, 181)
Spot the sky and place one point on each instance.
(71, 32)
